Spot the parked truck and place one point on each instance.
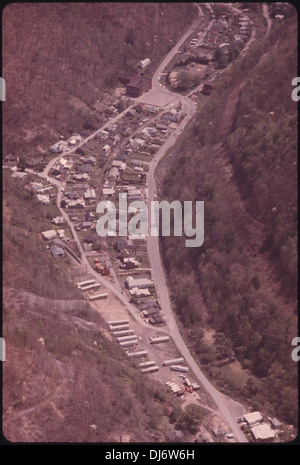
(150, 369)
(174, 361)
(126, 338)
(125, 332)
(102, 269)
(98, 296)
(85, 283)
(179, 368)
(133, 342)
(150, 363)
(117, 322)
(119, 327)
(140, 353)
(159, 339)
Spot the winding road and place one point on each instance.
(222, 403)
(158, 274)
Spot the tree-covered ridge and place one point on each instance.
(263, 147)
(59, 59)
(242, 281)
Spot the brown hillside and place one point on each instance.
(58, 59)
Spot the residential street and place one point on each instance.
(226, 410)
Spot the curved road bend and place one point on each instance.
(153, 246)
(115, 287)
(155, 258)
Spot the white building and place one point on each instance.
(45, 199)
(119, 164)
(59, 147)
(75, 139)
(81, 177)
(134, 194)
(61, 233)
(44, 189)
(79, 203)
(113, 173)
(108, 191)
(90, 194)
(139, 237)
(64, 163)
(58, 220)
(262, 432)
(253, 418)
(19, 174)
(106, 149)
(49, 235)
(139, 292)
(144, 63)
(140, 283)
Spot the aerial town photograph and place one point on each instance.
(149, 212)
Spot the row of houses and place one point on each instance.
(62, 145)
(221, 26)
(140, 289)
(261, 429)
(56, 251)
(42, 192)
(150, 310)
(244, 28)
(80, 194)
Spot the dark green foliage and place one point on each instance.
(220, 59)
(224, 284)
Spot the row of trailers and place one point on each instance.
(91, 285)
(123, 334)
(126, 338)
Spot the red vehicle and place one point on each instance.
(103, 270)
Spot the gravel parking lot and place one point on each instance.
(158, 98)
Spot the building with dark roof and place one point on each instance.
(91, 238)
(57, 252)
(155, 319)
(137, 86)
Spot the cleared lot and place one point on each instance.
(157, 98)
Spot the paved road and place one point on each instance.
(155, 258)
(266, 15)
(153, 245)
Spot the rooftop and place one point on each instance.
(138, 81)
(57, 252)
(263, 431)
(252, 417)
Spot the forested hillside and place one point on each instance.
(63, 379)
(60, 58)
(240, 157)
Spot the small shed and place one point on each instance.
(252, 418)
(144, 63)
(218, 432)
(276, 424)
